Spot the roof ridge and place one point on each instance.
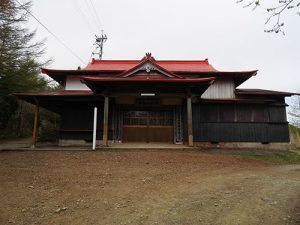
(138, 60)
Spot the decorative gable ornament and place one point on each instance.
(148, 68)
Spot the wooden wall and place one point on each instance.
(236, 122)
(77, 121)
(212, 122)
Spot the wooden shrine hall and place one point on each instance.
(170, 101)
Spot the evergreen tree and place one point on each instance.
(19, 58)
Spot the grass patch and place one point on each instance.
(294, 137)
(289, 157)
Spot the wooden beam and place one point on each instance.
(134, 94)
(190, 121)
(35, 124)
(105, 121)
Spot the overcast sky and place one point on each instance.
(231, 37)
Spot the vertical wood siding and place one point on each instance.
(212, 122)
(77, 121)
(231, 122)
(221, 88)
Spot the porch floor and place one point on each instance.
(145, 146)
(25, 144)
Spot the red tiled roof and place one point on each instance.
(171, 65)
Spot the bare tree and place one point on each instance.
(275, 12)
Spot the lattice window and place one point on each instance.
(160, 118)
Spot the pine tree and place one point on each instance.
(19, 58)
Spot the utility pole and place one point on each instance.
(99, 45)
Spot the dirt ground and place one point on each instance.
(145, 187)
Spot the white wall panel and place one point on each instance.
(221, 88)
(74, 83)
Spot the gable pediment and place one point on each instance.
(148, 67)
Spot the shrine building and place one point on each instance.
(185, 102)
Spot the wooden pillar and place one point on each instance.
(190, 121)
(36, 124)
(105, 121)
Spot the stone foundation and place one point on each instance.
(243, 145)
(71, 142)
(202, 145)
(74, 142)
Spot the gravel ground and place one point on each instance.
(145, 187)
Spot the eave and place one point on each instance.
(237, 100)
(138, 85)
(262, 92)
(54, 100)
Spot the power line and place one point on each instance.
(93, 7)
(93, 13)
(100, 40)
(83, 16)
(50, 32)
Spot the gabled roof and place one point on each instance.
(171, 68)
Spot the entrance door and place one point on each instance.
(148, 126)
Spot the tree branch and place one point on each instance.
(274, 13)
